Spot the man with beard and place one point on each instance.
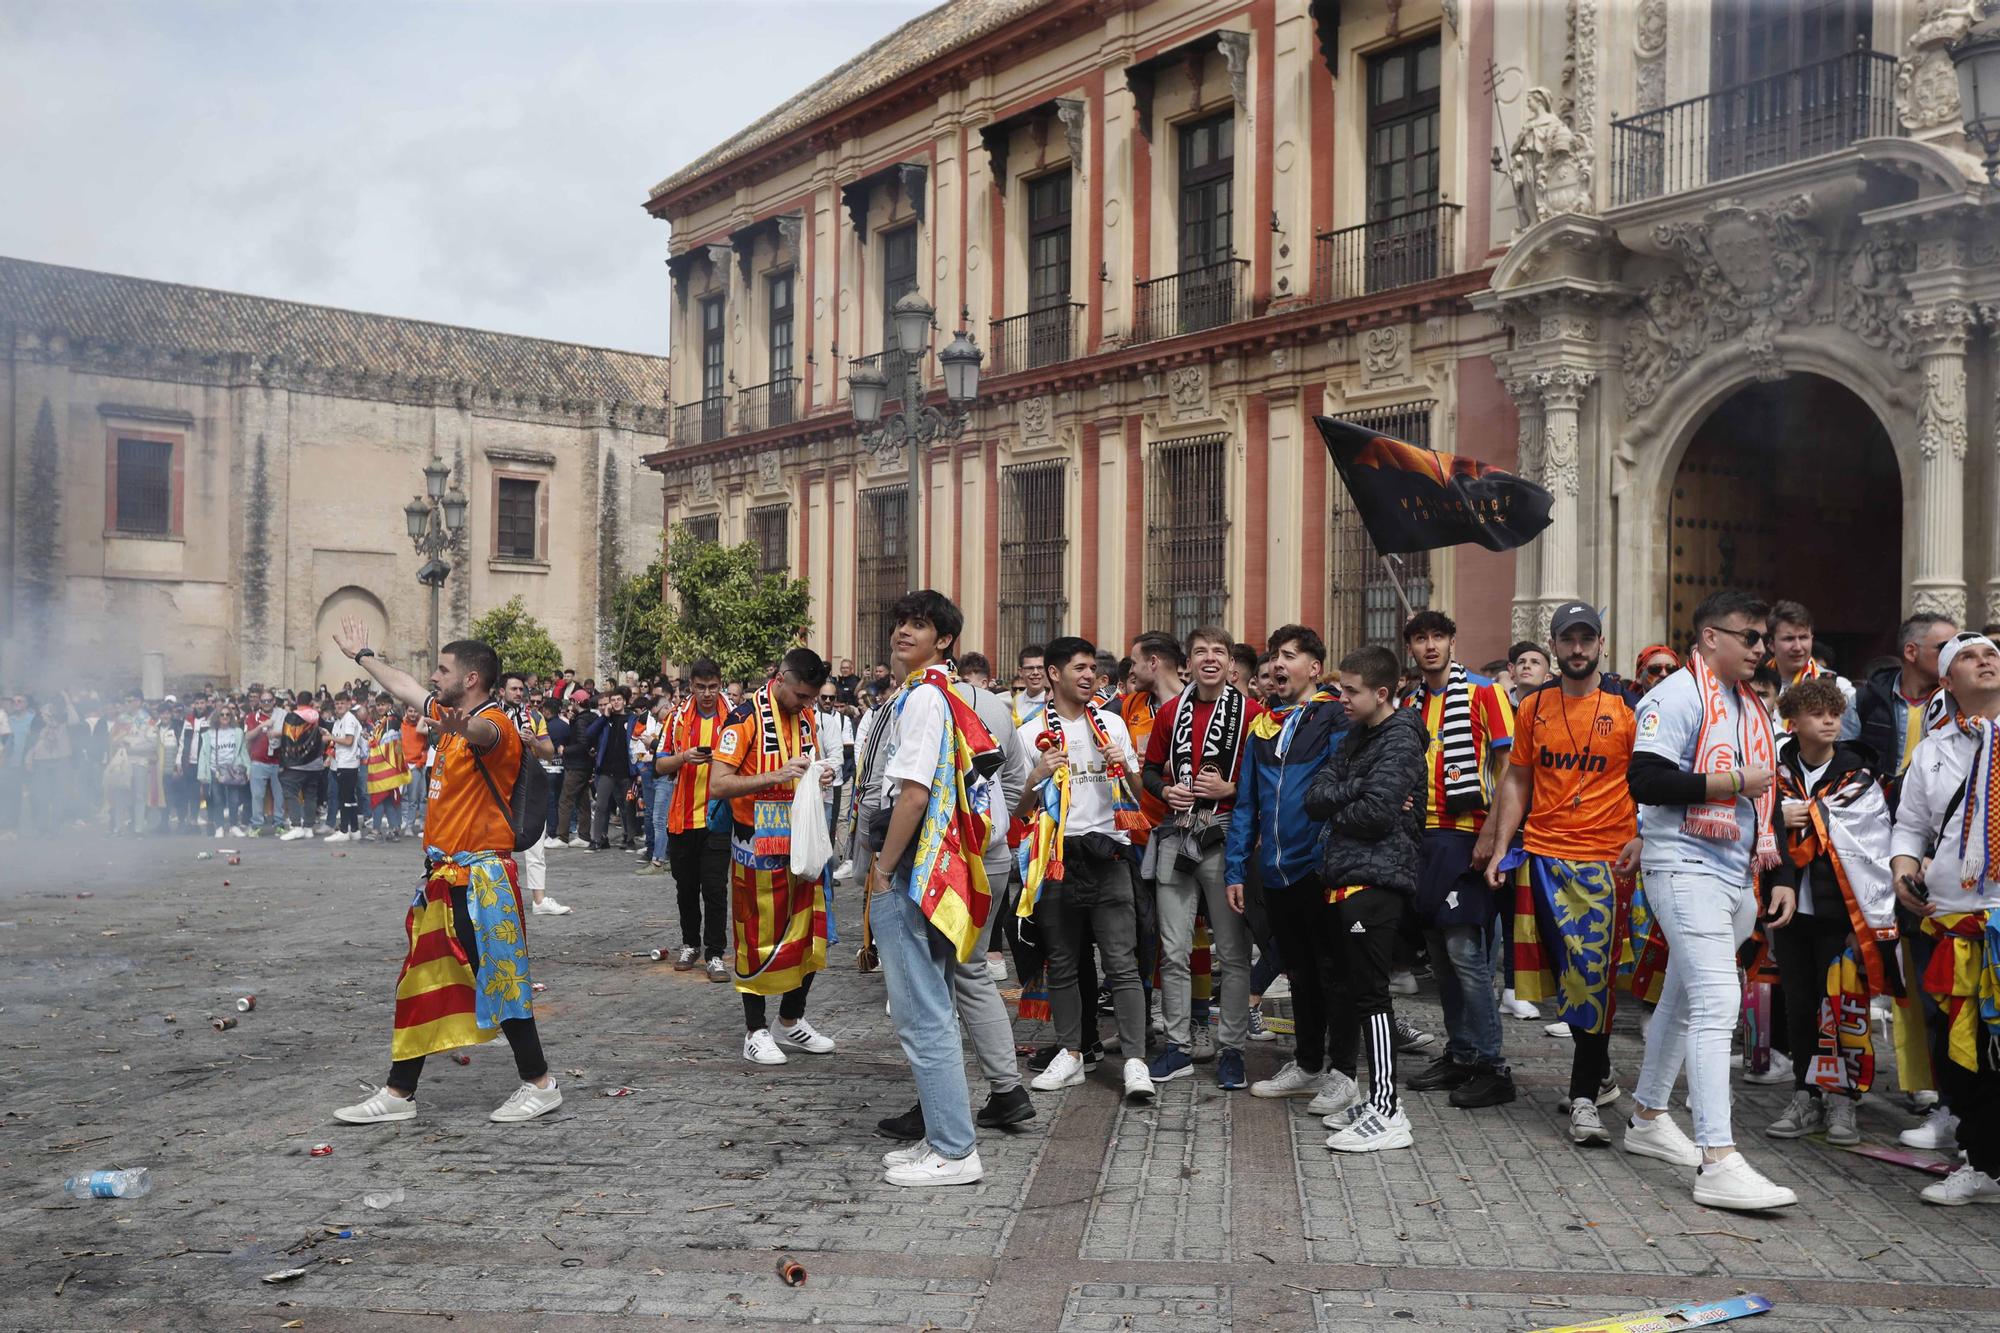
(456, 996)
(1566, 773)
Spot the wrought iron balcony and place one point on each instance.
(1192, 300)
(1039, 338)
(770, 404)
(1397, 251)
(700, 422)
(1768, 122)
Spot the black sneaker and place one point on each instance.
(1093, 1053)
(1486, 1087)
(1005, 1108)
(1440, 1075)
(908, 1126)
(1409, 1041)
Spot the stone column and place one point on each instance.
(1990, 316)
(1562, 390)
(1939, 580)
(1528, 464)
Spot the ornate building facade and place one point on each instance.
(1718, 272)
(215, 480)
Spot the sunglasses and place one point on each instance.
(1752, 638)
(1659, 669)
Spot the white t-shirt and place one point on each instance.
(1090, 806)
(349, 756)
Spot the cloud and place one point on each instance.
(473, 163)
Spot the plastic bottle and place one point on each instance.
(133, 1184)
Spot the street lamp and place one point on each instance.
(916, 422)
(434, 520)
(1977, 57)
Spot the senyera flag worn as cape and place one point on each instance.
(1413, 499)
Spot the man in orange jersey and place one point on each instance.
(467, 970)
(697, 847)
(780, 918)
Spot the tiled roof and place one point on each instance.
(923, 39)
(86, 305)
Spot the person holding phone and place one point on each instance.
(697, 848)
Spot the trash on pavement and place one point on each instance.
(286, 1274)
(791, 1272)
(223, 1024)
(1695, 1314)
(322, 1150)
(383, 1198)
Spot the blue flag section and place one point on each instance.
(1414, 499)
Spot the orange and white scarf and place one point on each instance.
(1716, 750)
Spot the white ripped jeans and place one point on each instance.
(1704, 917)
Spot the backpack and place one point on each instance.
(529, 813)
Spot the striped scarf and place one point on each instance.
(771, 831)
(1964, 975)
(1459, 745)
(1715, 751)
(948, 880)
(1979, 825)
(1281, 721)
(1040, 854)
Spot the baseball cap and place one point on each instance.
(1954, 644)
(1571, 614)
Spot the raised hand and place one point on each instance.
(351, 637)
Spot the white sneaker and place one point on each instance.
(761, 1049)
(1371, 1132)
(904, 1156)
(549, 844)
(1963, 1186)
(996, 969)
(1336, 1093)
(1280, 988)
(294, 834)
(1340, 1120)
(1734, 1183)
(1660, 1137)
(1138, 1082)
(1402, 983)
(577, 842)
(221, 833)
(1779, 1071)
(1201, 1042)
(549, 907)
(381, 1106)
(1585, 1126)
(933, 1169)
(1939, 1132)
(334, 837)
(528, 1102)
(803, 1036)
(1513, 1004)
(1065, 1071)
(845, 872)
(240, 832)
(1290, 1081)
(1557, 1029)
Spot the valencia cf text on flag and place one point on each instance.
(1413, 499)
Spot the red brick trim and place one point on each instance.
(1256, 515)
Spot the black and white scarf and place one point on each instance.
(1219, 741)
(1459, 746)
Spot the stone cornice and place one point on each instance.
(236, 370)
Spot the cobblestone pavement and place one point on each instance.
(1205, 1212)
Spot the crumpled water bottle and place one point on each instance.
(132, 1184)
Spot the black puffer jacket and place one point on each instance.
(1371, 838)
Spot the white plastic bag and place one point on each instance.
(812, 842)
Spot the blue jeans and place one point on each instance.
(657, 797)
(1704, 918)
(1471, 1010)
(264, 778)
(414, 797)
(918, 964)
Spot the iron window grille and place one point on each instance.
(884, 574)
(1365, 607)
(1187, 535)
(704, 527)
(145, 486)
(1034, 544)
(770, 531)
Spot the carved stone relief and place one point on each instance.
(770, 471)
(1926, 80)
(1562, 394)
(704, 481)
(1649, 48)
(1385, 354)
(1070, 111)
(1236, 54)
(1746, 272)
(1036, 417)
(1870, 295)
(1187, 390)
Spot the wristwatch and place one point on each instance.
(365, 652)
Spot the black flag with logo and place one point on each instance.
(1415, 499)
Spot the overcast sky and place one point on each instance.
(478, 162)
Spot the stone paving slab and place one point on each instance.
(673, 1204)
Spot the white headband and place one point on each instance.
(1950, 650)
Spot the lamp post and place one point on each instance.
(916, 422)
(1977, 58)
(435, 519)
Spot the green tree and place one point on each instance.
(727, 610)
(519, 638)
(637, 617)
